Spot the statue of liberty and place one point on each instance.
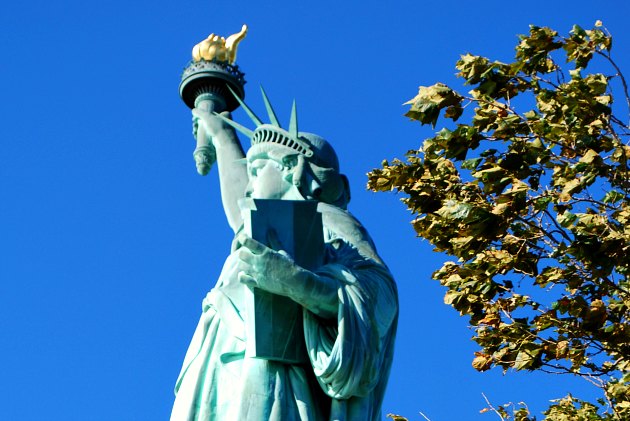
(348, 303)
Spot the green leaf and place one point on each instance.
(471, 164)
(527, 359)
(542, 203)
(566, 219)
(426, 106)
(454, 112)
(613, 196)
(454, 210)
(589, 157)
(571, 186)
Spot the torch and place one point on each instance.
(206, 84)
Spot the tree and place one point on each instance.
(532, 197)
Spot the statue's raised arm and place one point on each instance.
(230, 160)
(212, 83)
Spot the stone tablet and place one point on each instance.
(274, 322)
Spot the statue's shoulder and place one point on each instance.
(346, 226)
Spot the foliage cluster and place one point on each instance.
(532, 198)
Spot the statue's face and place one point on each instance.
(271, 175)
(278, 172)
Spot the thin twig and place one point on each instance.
(492, 408)
(424, 416)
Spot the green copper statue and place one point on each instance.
(347, 299)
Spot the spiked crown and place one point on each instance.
(319, 155)
(272, 132)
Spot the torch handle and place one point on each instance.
(204, 153)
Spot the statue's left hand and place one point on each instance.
(276, 272)
(268, 269)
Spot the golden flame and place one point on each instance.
(219, 48)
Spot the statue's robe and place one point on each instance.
(350, 357)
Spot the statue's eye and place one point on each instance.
(255, 167)
(289, 162)
(259, 164)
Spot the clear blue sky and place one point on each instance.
(109, 239)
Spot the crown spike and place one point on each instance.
(272, 114)
(248, 110)
(237, 126)
(293, 124)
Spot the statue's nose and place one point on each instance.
(299, 173)
(305, 182)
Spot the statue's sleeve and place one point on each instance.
(351, 356)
